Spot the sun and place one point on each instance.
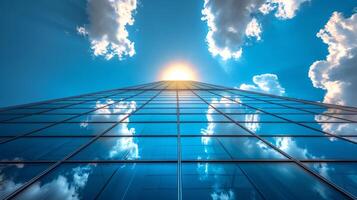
(178, 71)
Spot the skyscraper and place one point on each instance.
(178, 140)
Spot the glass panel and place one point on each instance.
(130, 148)
(4, 117)
(342, 174)
(106, 181)
(153, 118)
(310, 118)
(39, 148)
(203, 117)
(227, 148)
(252, 181)
(72, 129)
(193, 110)
(216, 181)
(255, 117)
(280, 129)
(315, 147)
(336, 128)
(14, 129)
(99, 118)
(23, 111)
(13, 176)
(144, 129)
(211, 129)
(68, 111)
(43, 118)
(149, 110)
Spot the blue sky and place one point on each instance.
(42, 56)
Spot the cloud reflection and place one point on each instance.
(68, 185)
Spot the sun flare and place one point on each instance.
(178, 71)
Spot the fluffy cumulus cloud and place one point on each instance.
(266, 83)
(285, 9)
(231, 23)
(337, 73)
(107, 30)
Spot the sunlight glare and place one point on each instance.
(178, 71)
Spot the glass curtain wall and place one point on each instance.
(178, 140)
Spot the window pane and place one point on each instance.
(39, 148)
(4, 117)
(153, 118)
(144, 129)
(315, 147)
(281, 129)
(13, 176)
(227, 148)
(252, 181)
(43, 118)
(342, 174)
(14, 129)
(72, 129)
(106, 181)
(130, 148)
(211, 129)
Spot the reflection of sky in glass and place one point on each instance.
(234, 181)
(315, 147)
(72, 182)
(12, 176)
(343, 174)
(206, 134)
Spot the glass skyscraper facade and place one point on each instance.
(178, 140)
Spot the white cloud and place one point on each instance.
(266, 83)
(231, 22)
(337, 74)
(107, 30)
(253, 29)
(81, 31)
(285, 9)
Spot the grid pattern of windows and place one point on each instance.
(178, 140)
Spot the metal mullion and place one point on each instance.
(291, 121)
(175, 161)
(58, 163)
(318, 176)
(186, 135)
(179, 158)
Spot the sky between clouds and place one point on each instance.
(69, 48)
(231, 26)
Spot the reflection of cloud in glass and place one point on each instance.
(289, 146)
(337, 128)
(224, 105)
(222, 195)
(67, 186)
(63, 187)
(227, 103)
(7, 184)
(250, 119)
(123, 144)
